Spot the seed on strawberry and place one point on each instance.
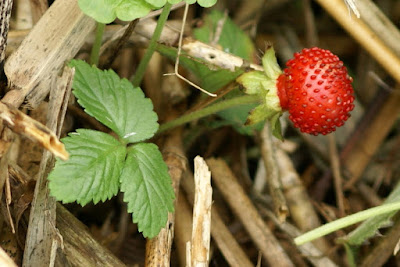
(316, 90)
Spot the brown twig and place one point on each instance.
(116, 48)
(300, 206)
(247, 214)
(183, 227)
(38, 8)
(41, 246)
(337, 177)
(372, 41)
(273, 177)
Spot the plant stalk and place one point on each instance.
(137, 79)
(212, 109)
(95, 54)
(345, 221)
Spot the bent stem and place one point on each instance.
(212, 109)
(137, 79)
(345, 221)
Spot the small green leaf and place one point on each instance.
(147, 188)
(92, 171)
(106, 11)
(157, 3)
(206, 3)
(114, 102)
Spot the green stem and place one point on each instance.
(94, 56)
(345, 221)
(137, 79)
(212, 109)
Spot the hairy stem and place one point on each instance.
(94, 55)
(137, 79)
(214, 108)
(345, 221)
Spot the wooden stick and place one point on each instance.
(183, 227)
(301, 209)
(38, 8)
(361, 147)
(5, 14)
(273, 175)
(200, 250)
(365, 35)
(5, 260)
(337, 176)
(56, 38)
(79, 246)
(247, 214)
(41, 242)
(310, 250)
(226, 242)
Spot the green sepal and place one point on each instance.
(252, 82)
(258, 114)
(276, 126)
(270, 64)
(264, 112)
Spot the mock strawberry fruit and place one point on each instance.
(316, 90)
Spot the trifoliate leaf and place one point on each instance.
(106, 11)
(114, 102)
(147, 188)
(92, 171)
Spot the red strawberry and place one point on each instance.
(316, 90)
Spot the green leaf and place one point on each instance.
(147, 188)
(114, 102)
(106, 11)
(92, 171)
(206, 3)
(232, 39)
(157, 3)
(210, 80)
